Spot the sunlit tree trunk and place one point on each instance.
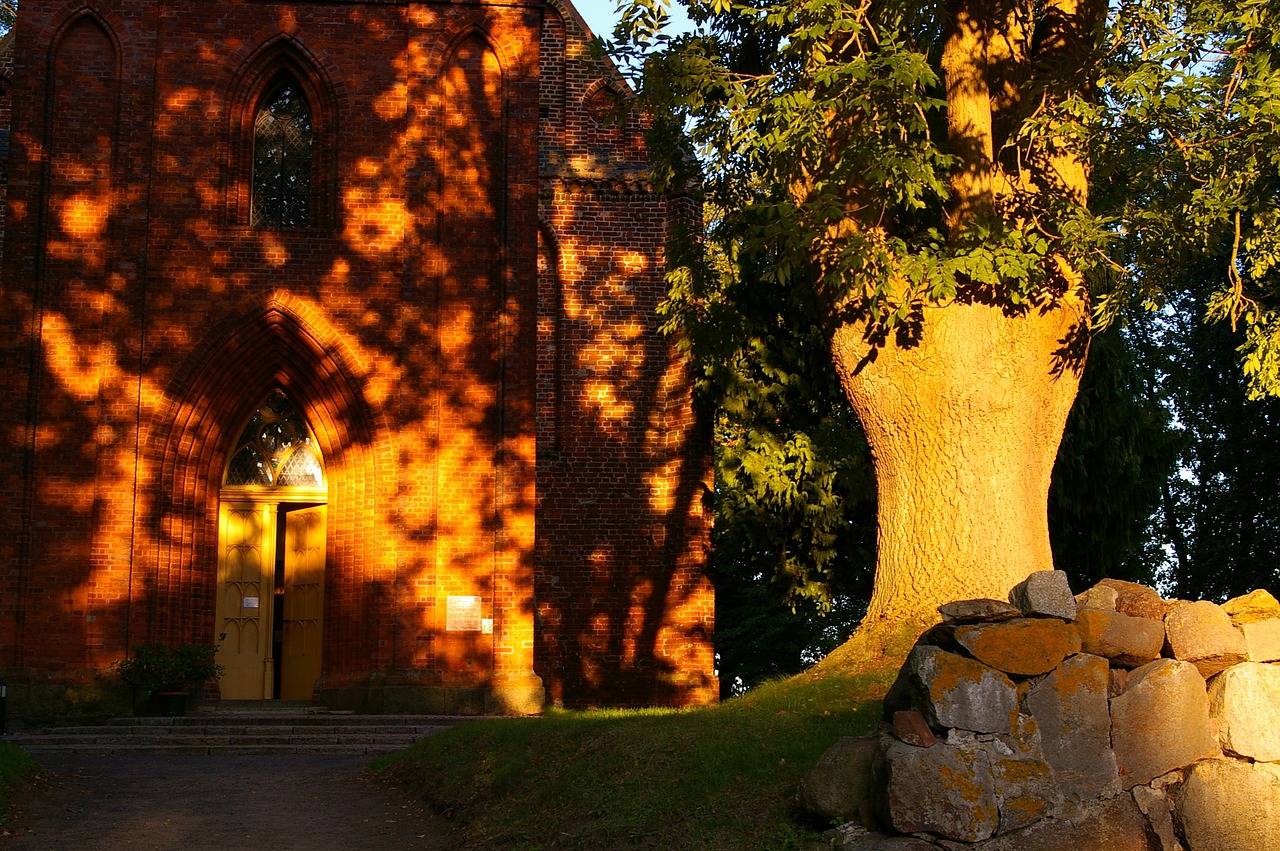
(965, 409)
(964, 428)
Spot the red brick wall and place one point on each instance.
(486, 429)
(625, 612)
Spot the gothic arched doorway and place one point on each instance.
(271, 558)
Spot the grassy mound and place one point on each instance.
(720, 777)
(15, 767)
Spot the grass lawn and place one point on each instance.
(15, 767)
(720, 777)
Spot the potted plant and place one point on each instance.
(167, 674)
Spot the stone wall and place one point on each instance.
(1111, 720)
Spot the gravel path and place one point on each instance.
(309, 803)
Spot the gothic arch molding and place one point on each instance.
(282, 56)
(479, 31)
(277, 342)
(72, 15)
(64, 26)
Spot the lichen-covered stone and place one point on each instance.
(1261, 640)
(1112, 825)
(1026, 788)
(1101, 597)
(1125, 640)
(1245, 701)
(839, 786)
(1159, 812)
(1047, 593)
(1139, 601)
(973, 611)
(961, 693)
(1201, 633)
(1161, 722)
(881, 842)
(946, 789)
(1255, 606)
(1229, 805)
(1070, 708)
(1022, 647)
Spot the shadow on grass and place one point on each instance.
(719, 777)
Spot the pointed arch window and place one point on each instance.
(276, 450)
(283, 140)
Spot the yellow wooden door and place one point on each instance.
(246, 562)
(303, 602)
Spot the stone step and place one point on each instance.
(283, 718)
(213, 738)
(167, 748)
(239, 733)
(255, 729)
(424, 726)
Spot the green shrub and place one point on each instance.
(15, 767)
(157, 667)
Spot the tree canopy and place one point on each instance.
(793, 114)
(1191, 165)
(909, 173)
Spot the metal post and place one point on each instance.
(3, 693)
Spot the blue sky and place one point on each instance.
(601, 15)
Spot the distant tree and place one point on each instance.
(1191, 171)
(8, 15)
(794, 537)
(1217, 535)
(1118, 453)
(795, 493)
(759, 637)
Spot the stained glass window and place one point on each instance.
(282, 141)
(276, 449)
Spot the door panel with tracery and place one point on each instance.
(274, 477)
(246, 531)
(303, 602)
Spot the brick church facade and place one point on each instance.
(329, 332)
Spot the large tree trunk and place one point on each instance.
(964, 410)
(964, 426)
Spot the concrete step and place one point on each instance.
(398, 739)
(256, 729)
(295, 719)
(106, 749)
(259, 732)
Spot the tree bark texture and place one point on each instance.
(965, 411)
(964, 427)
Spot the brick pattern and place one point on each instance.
(467, 326)
(622, 463)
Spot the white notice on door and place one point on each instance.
(251, 602)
